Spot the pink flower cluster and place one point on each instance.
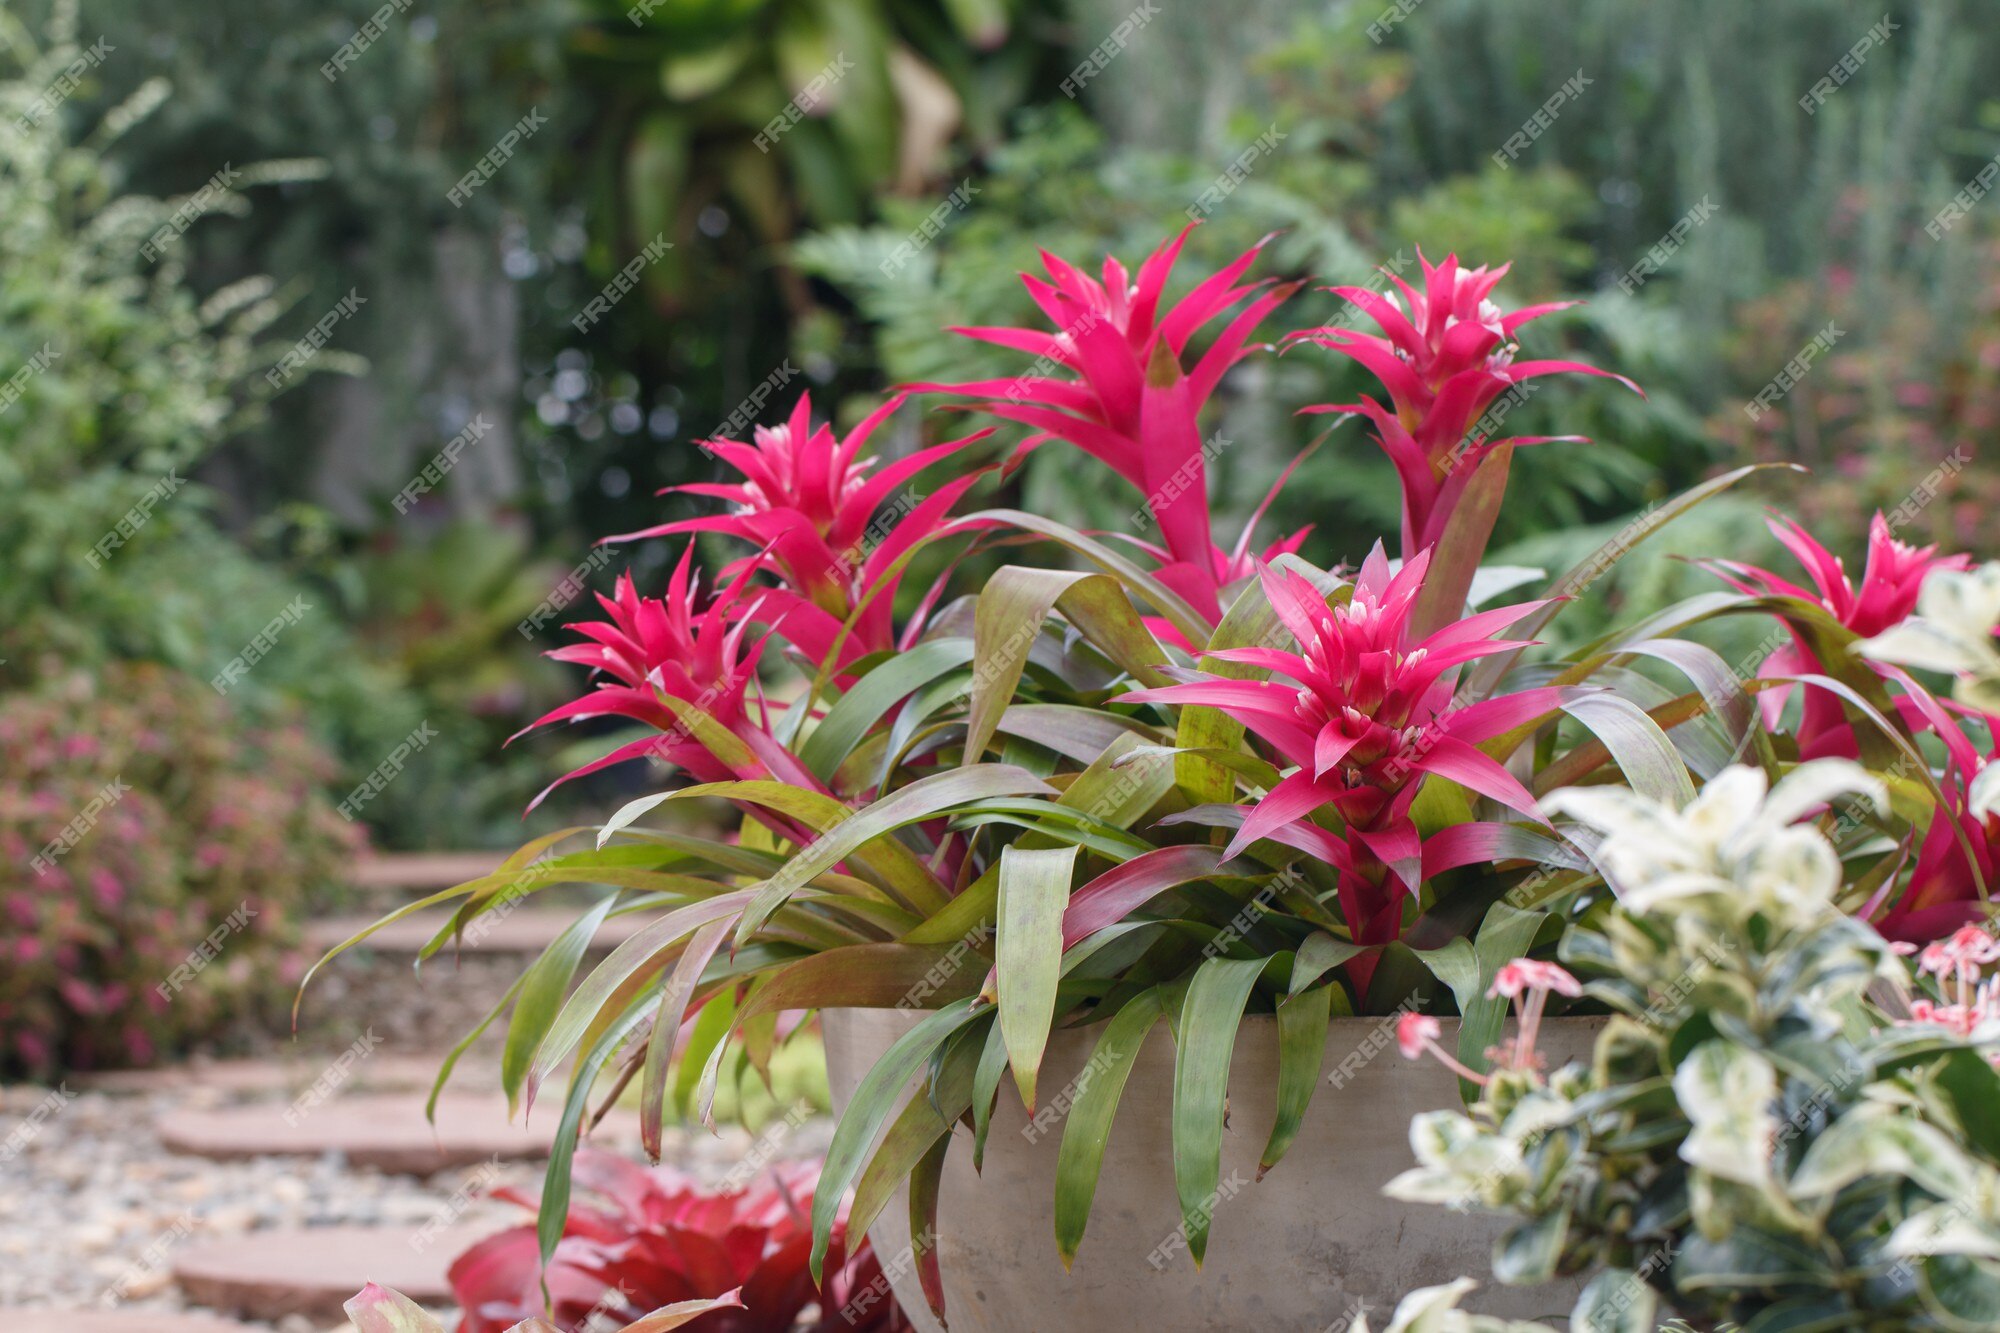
(1528, 982)
(1971, 1007)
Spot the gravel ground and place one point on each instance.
(91, 1203)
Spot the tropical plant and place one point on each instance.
(118, 378)
(160, 853)
(786, 111)
(638, 1239)
(1171, 781)
(1779, 1125)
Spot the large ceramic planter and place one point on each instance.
(1291, 1253)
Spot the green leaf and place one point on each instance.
(1302, 1026)
(1527, 1254)
(1319, 954)
(644, 953)
(552, 1217)
(1807, 1314)
(925, 1181)
(687, 970)
(507, 870)
(986, 1091)
(876, 1095)
(1973, 1087)
(873, 696)
(1469, 968)
(1873, 1140)
(925, 1120)
(1488, 674)
(540, 995)
(1209, 1019)
(1075, 732)
(464, 1044)
(1093, 1105)
(889, 861)
(920, 800)
(1034, 890)
(1157, 594)
(1965, 1289)
(886, 975)
(710, 1031)
(1011, 609)
(1616, 1301)
(1651, 765)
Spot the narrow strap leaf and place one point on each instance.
(1209, 1018)
(1034, 890)
(880, 1089)
(986, 1091)
(871, 698)
(541, 990)
(925, 1185)
(674, 995)
(1093, 1104)
(924, 1120)
(1302, 1022)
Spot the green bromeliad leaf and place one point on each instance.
(1012, 608)
(1034, 890)
(922, 799)
(1209, 1019)
(1093, 1104)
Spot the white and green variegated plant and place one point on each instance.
(1779, 1127)
(1148, 778)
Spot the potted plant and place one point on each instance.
(1151, 827)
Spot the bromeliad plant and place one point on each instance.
(638, 1240)
(1155, 780)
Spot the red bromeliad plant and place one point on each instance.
(1180, 785)
(637, 1240)
(1366, 717)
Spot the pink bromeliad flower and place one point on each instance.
(1364, 710)
(1886, 595)
(681, 667)
(1445, 355)
(828, 524)
(1958, 860)
(1115, 380)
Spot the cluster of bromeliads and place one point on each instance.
(1192, 780)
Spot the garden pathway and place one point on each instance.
(271, 1189)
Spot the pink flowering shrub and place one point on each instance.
(154, 856)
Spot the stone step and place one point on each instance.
(277, 1075)
(421, 872)
(387, 1132)
(311, 1271)
(114, 1321)
(527, 930)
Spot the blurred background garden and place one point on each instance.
(322, 380)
